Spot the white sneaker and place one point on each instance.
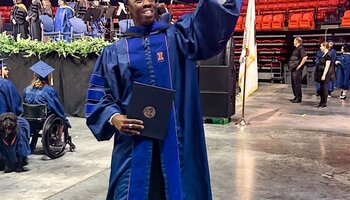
(329, 96)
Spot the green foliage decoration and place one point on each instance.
(77, 48)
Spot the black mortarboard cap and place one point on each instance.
(42, 69)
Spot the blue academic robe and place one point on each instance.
(11, 101)
(166, 57)
(62, 23)
(45, 95)
(343, 72)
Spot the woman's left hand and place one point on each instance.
(323, 78)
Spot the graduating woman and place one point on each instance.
(18, 17)
(41, 92)
(165, 56)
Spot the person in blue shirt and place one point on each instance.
(62, 23)
(162, 55)
(11, 102)
(343, 71)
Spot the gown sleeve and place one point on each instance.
(106, 94)
(10, 99)
(205, 33)
(54, 104)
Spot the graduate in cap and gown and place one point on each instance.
(62, 23)
(18, 17)
(11, 102)
(162, 55)
(41, 92)
(34, 21)
(343, 71)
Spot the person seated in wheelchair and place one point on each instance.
(13, 147)
(41, 92)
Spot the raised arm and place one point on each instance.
(205, 32)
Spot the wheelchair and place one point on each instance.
(50, 127)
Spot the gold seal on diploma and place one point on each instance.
(149, 112)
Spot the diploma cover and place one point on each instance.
(152, 105)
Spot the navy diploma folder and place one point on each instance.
(152, 105)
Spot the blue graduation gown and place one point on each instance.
(343, 72)
(45, 95)
(62, 23)
(164, 57)
(10, 100)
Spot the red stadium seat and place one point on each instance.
(307, 21)
(345, 20)
(278, 22)
(239, 23)
(293, 23)
(258, 22)
(266, 23)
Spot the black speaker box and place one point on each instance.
(217, 89)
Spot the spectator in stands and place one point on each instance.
(10, 101)
(158, 54)
(34, 21)
(18, 17)
(296, 65)
(343, 71)
(323, 73)
(41, 92)
(80, 8)
(62, 23)
(47, 8)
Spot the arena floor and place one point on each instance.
(290, 151)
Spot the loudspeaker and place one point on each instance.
(217, 85)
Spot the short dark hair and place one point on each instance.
(346, 48)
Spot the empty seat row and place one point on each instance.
(277, 22)
(282, 6)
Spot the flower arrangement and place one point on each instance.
(77, 48)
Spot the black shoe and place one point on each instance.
(25, 161)
(296, 101)
(293, 99)
(320, 106)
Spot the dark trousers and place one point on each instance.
(296, 83)
(156, 185)
(323, 93)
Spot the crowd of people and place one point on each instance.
(93, 13)
(330, 71)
